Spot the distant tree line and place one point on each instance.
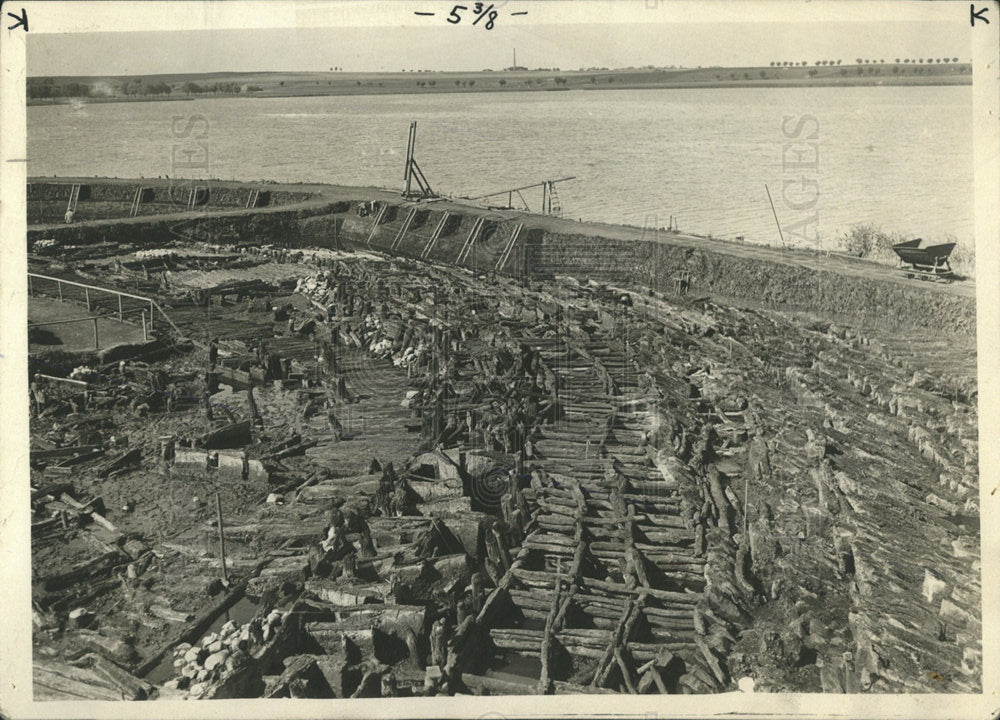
(863, 61)
(49, 88)
(192, 88)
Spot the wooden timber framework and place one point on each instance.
(611, 572)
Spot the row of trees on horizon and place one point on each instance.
(861, 61)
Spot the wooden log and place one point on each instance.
(78, 594)
(595, 610)
(543, 679)
(509, 641)
(551, 550)
(303, 530)
(668, 614)
(64, 452)
(130, 687)
(83, 457)
(534, 600)
(41, 526)
(132, 456)
(603, 668)
(166, 613)
(115, 649)
(297, 449)
(101, 545)
(568, 688)
(86, 571)
(537, 578)
(60, 681)
(52, 490)
(87, 509)
(496, 686)
(626, 671)
(712, 661)
(560, 512)
(555, 522)
(643, 652)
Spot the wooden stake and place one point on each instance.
(222, 536)
(775, 215)
(746, 503)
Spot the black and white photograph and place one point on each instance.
(499, 359)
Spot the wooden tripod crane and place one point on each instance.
(413, 171)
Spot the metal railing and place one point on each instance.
(93, 319)
(60, 282)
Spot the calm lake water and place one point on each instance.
(898, 157)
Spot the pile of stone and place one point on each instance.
(221, 653)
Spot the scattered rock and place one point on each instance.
(82, 618)
(950, 507)
(972, 661)
(934, 587)
(830, 677)
(951, 611)
(215, 659)
(963, 547)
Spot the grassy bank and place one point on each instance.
(47, 90)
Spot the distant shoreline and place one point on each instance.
(272, 85)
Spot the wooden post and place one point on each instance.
(222, 536)
(145, 332)
(151, 316)
(121, 317)
(775, 212)
(86, 294)
(59, 285)
(746, 504)
(97, 340)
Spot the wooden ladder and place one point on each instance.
(252, 200)
(434, 236)
(555, 207)
(74, 196)
(473, 234)
(509, 247)
(403, 229)
(376, 221)
(136, 201)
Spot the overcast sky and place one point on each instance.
(650, 33)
